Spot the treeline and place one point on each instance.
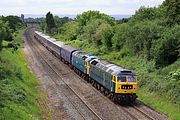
(148, 43)
(151, 32)
(8, 25)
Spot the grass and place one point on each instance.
(19, 101)
(159, 103)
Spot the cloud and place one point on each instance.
(74, 6)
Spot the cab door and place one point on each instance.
(87, 67)
(113, 85)
(118, 86)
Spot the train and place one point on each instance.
(114, 81)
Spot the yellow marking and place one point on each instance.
(87, 67)
(113, 78)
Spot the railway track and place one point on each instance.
(66, 74)
(145, 114)
(66, 85)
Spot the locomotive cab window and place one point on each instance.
(131, 79)
(122, 79)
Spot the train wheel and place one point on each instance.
(88, 79)
(102, 89)
(95, 84)
(106, 92)
(98, 86)
(114, 99)
(92, 82)
(84, 76)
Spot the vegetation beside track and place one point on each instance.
(18, 86)
(147, 43)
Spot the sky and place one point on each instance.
(74, 7)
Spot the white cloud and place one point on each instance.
(73, 6)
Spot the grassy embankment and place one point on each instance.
(147, 75)
(18, 89)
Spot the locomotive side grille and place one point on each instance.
(127, 87)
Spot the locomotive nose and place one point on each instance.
(126, 88)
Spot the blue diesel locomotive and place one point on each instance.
(114, 81)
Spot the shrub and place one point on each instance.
(166, 49)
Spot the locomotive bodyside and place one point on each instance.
(99, 74)
(117, 81)
(78, 60)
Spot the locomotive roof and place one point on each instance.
(112, 68)
(104, 65)
(80, 53)
(118, 70)
(84, 55)
(90, 57)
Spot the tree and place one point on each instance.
(99, 32)
(89, 31)
(42, 25)
(172, 11)
(119, 38)
(14, 22)
(106, 33)
(60, 22)
(51, 27)
(86, 17)
(166, 50)
(144, 13)
(69, 30)
(5, 32)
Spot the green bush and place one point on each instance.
(166, 49)
(173, 80)
(8, 88)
